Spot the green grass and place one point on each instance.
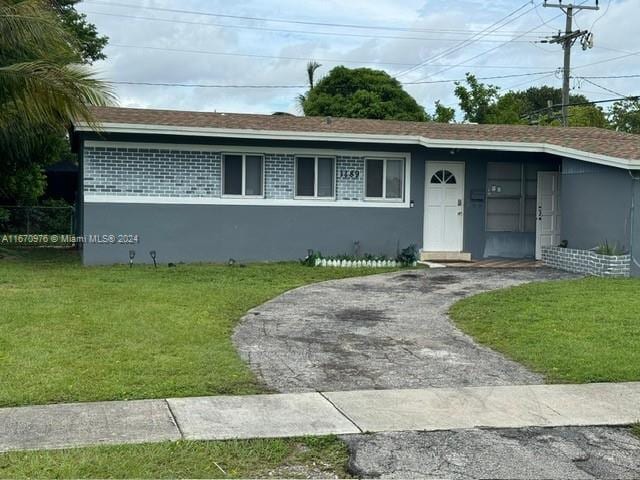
(635, 429)
(277, 458)
(70, 333)
(572, 331)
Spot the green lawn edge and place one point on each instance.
(570, 331)
(308, 457)
(72, 333)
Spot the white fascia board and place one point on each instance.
(365, 138)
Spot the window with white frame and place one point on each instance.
(384, 178)
(315, 177)
(243, 175)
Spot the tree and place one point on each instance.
(90, 44)
(361, 93)
(311, 72)
(42, 88)
(476, 99)
(484, 104)
(443, 114)
(624, 116)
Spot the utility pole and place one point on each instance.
(567, 41)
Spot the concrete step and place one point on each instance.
(445, 256)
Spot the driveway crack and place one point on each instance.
(341, 412)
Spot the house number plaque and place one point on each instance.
(349, 174)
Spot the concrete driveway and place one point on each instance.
(378, 332)
(392, 331)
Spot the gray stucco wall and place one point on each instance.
(595, 205)
(477, 241)
(219, 232)
(188, 233)
(635, 226)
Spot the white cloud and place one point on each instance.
(614, 32)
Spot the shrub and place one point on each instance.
(408, 256)
(606, 249)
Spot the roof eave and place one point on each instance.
(539, 147)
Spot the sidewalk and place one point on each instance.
(300, 414)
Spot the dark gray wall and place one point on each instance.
(189, 233)
(219, 232)
(595, 204)
(635, 226)
(477, 241)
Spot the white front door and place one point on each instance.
(444, 207)
(548, 211)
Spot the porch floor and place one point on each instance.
(496, 263)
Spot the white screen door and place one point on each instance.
(444, 207)
(548, 211)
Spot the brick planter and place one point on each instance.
(587, 261)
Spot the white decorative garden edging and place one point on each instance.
(587, 261)
(324, 262)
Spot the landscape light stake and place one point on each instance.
(153, 257)
(132, 253)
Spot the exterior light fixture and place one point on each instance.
(132, 254)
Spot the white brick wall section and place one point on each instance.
(587, 262)
(182, 173)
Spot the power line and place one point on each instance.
(492, 49)
(282, 57)
(545, 74)
(544, 77)
(601, 87)
(576, 104)
(279, 30)
(203, 85)
(497, 77)
(607, 60)
(468, 41)
(635, 75)
(280, 20)
(252, 55)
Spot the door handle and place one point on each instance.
(539, 212)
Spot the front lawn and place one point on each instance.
(571, 331)
(276, 458)
(70, 333)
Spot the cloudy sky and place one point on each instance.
(204, 42)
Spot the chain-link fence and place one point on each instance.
(45, 220)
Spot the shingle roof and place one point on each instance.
(586, 139)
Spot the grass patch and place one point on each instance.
(573, 331)
(70, 333)
(635, 429)
(277, 458)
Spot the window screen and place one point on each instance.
(375, 169)
(253, 175)
(232, 174)
(394, 178)
(325, 177)
(305, 181)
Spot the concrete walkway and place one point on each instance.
(317, 413)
